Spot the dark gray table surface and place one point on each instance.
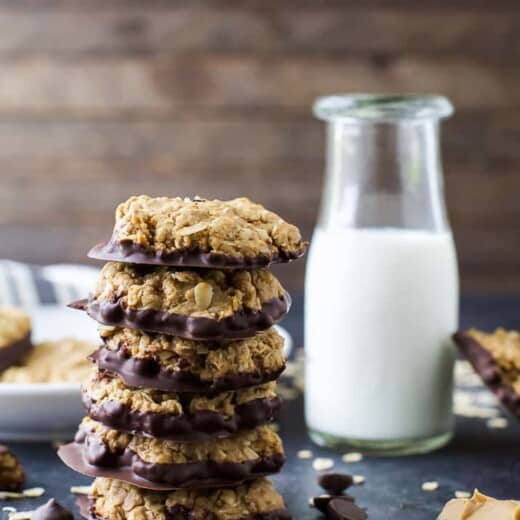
(477, 457)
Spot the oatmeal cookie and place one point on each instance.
(174, 364)
(177, 416)
(199, 305)
(12, 474)
(199, 233)
(254, 500)
(15, 336)
(496, 358)
(165, 464)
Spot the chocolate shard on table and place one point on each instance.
(480, 507)
(335, 483)
(12, 474)
(15, 336)
(174, 364)
(496, 358)
(341, 509)
(163, 464)
(193, 304)
(179, 417)
(254, 500)
(322, 501)
(52, 510)
(199, 233)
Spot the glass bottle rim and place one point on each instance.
(381, 107)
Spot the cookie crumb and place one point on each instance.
(462, 494)
(304, 454)
(497, 423)
(322, 464)
(26, 493)
(352, 457)
(358, 479)
(22, 515)
(430, 486)
(81, 490)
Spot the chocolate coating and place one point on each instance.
(14, 352)
(199, 426)
(148, 373)
(335, 483)
(242, 324)
(94, 460)
(341, 509)
(52, 510)
(129, 252)
(485, 365)
(178, 512)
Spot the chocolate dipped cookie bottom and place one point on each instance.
(162, 465)
(130, 252)
(492, 356)
(254, 500)
(179, 417)
(148, 373)
(241, 324)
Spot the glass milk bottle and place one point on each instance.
(381, 296)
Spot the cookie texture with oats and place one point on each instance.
(12, 474)
(200, 233)
(254, 500)
(212, 294)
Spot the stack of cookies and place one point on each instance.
(183, 390)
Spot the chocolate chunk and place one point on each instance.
(52, 510)
(335, 483)
(321, 502)
(341, 509)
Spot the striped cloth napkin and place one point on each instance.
(28, 286)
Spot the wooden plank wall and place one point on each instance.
(103, 99)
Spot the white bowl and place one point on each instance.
(46, 411)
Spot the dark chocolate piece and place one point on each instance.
(89, 459)
(242, 324)
(335, 483)
(322, 501)
(341, 509)
(85, 505)
(14, 352)
(52, 510)
(199, 426)
(148, 373)
(129, 252)
(486, 366)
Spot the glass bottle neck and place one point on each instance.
(383, 174)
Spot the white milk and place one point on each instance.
(381, 305)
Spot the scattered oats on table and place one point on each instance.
(322, 464)
(304, 454)
(430, 486)
(352, 457)
(497, 423)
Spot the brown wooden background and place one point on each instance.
(101, 99)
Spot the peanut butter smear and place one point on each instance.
(480, 507)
